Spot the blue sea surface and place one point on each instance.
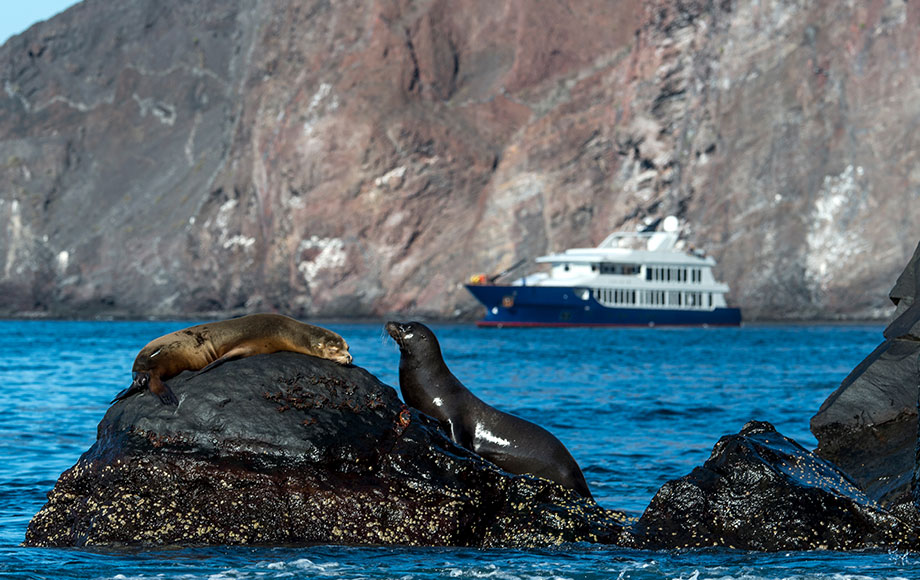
(636, 407)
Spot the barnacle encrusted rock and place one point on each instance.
(291, 449)
(760, 490)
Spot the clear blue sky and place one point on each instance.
(18, 15)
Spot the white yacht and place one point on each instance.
(631, 278)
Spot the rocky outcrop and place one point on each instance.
(762, 491)
(857, 490)
(290, 449)
(287, 449)
(166, 157)
(868, 426)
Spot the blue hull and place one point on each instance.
(559, 306)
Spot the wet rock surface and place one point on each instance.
(868, 426)
(291, 449)
(760, 490)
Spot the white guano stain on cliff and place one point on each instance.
(15, 237)
(392, 179)
(239, 241)
(312, 114)
(224, 213)
(166, 114)
(833, 243)
(190, 142)
(518, 191)
(294, 202)
(330, 255)
(62, 261)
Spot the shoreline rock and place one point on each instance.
(290, 449)
(762, 491)
(868, 426)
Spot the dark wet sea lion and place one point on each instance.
(515, 445)
(205, 346)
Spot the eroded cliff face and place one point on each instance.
(363, 157)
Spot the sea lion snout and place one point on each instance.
(395, 330)
(339, 355)
(401, 332)
(140, 380)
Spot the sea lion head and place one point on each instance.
(333, 347)
(413, 337)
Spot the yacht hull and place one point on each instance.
(564, 306)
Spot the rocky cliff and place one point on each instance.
(164, 157)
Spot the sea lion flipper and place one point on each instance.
(167, 397)
(238, 352)
(459, 435)
(216, 363)
(124, 394)
(162, 390)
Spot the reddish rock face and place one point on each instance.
(359, 158)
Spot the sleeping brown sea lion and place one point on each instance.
(205, 346)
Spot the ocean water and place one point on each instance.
(636, 407)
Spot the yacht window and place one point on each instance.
(621, 269)
(566, 267)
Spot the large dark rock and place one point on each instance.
(868, 426)
(291, 449)
(760, 490)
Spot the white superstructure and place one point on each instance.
(636, 270)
